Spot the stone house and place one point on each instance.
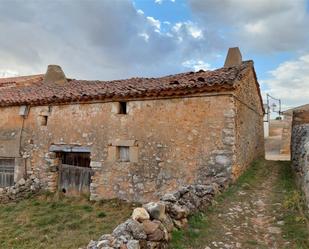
(131, 139)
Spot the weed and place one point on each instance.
(101, 214)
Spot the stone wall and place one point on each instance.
(249, 127)
(173, 142)
(300, 149)
(21, 190)
(151, 226)
(286, 135)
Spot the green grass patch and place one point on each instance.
(52, 221)
(295, 213)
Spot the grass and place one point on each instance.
(56, 222)
(204, 227)
(295, 213)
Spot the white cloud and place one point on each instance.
(290, 82)
(8, 73)
(108, 44)
(161, 1)
(140, 12)
(188, 28)
(257, 25)
(197, 65)
(154, 22)
(145, 36)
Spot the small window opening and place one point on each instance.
(123, 153)
(122, 107)
(43, 120)
(81, 159)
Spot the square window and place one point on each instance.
(124, 153)
(122, 107)
(43, 120)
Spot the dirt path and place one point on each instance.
(247, 216)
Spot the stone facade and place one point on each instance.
(249, 127)
(171, 141)
(300, 149)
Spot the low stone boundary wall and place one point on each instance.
(151, 226)
(300, 149)
(21, 190)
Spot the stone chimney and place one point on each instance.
(54, 74)
(233, 57)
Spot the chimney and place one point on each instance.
(233, 57)
(54, 74)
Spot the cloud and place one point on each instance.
(95, 39)
(260, 25)
(290, 82)
(197, 65)
(161, 1)
(154, 22)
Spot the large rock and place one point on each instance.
(133, 244)
(168, 223)
(150, 226)
(140, 214)
(169, 198)
(178, 212)
(156, 210)
(136, 229)
(154, 230)
(122, 230)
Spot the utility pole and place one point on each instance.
(268, 98)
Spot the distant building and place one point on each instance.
(131, 139)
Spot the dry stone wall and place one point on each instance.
(21, 190)
(300, 149)
(151, 226)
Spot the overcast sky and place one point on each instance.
(113, 39)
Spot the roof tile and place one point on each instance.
(31, 90)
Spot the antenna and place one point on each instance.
(273, 107)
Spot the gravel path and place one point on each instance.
(251, 221)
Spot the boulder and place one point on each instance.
(156, 210)
(21, 182)
(122, 230)
(140, 214)
(136, 229)
(103, 244)
(169, 198)
(168, 223)
(178, 212)
(150, 226)
(133, 244)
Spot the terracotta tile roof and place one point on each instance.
(31, 91)
(20, 81)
